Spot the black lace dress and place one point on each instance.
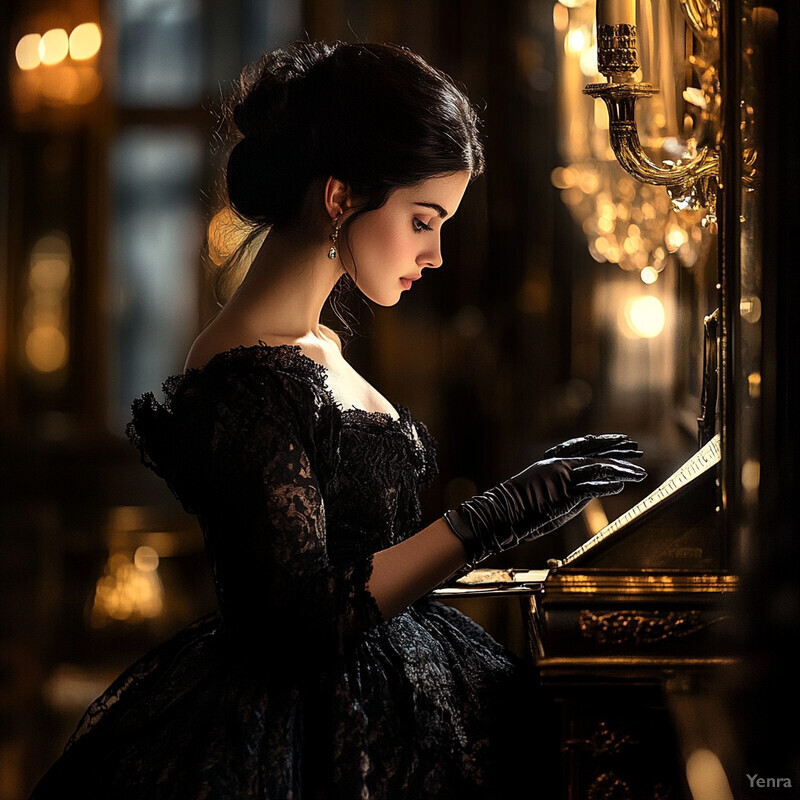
(297, 688)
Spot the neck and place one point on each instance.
(285, 289)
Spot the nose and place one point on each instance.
(432, 255)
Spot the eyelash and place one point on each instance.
(420, 226)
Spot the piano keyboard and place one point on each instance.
(700, 462)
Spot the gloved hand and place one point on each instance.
(604, 445)
(544, 496)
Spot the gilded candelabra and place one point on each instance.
(691, 181)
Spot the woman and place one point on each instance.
(328, 672)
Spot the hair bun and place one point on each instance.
(260, 114)
(271, 97)
(375, 116)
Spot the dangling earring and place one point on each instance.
(334, 237)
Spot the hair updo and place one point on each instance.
(375, 116)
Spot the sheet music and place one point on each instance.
(495, 582)
(700, 462)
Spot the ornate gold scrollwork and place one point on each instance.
(604, 741)
(608, 786)
(639, 627)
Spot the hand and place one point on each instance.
(542, 497)
(604, 445)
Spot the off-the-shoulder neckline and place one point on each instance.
(352, 413)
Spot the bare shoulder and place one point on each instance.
(209, 343)
(332, 335)
(219, 338)
(200, 353)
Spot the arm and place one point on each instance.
(537, 501)
(409, 570)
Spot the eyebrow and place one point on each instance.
(436, 207)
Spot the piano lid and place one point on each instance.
(674, 527)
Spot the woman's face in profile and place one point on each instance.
(391, 245)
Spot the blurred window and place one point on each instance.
(268, 24)
(155, 244)
(174, 57)
(160, 52)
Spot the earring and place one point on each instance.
(334, 237)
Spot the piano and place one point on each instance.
(626, 632)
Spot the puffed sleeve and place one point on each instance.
(260, 504)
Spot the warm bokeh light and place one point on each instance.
(560, 17)
(48, 274)
(645, 316)
(64, 86)
(675, 237)
(85, 41)
(588, 62)
(751, 475)
(605, 224)
(575, 41)
(46, 348)
(694, 96)
(649, 275)
(46, 340)
(130, 589)
(146, 558)
(595, 516)
(70, 76)
(27, 52)
(54, 46)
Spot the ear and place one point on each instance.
(338, 197)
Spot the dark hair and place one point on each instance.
(376, 116)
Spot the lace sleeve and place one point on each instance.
(265, 525)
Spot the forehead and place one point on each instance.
(444, 190)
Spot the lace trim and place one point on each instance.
(290, 359)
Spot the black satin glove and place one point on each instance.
(604, 445)
(544, 496)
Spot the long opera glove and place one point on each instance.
(539, 499)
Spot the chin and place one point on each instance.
(386, 303)
(385, 299)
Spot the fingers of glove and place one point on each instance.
(607, 469)
(627, 450)
(593, 445)
(600, 488)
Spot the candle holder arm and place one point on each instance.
(690, 183)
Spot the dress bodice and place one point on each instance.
(293, 493)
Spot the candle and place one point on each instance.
(616, 39)
(616, 12)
